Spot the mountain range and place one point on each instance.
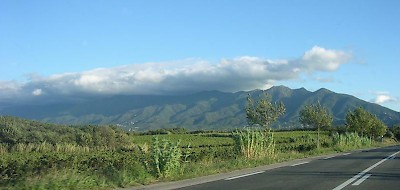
(203, 110)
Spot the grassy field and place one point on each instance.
(194, 140)
(145, 161)
(223, 139)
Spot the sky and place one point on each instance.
(65, 50)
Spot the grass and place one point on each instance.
(216, 165)
(218, 139)
(209, 154)
(62, 179)
(194, 140)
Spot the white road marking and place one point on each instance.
(299, 163)
(362, 179)
(245, 175)
(341, 186)
(346, 154)
(328, 157)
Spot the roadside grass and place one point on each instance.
(208, 154)
(215, 164)
(62, 179)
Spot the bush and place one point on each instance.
(118, 168)
(166, 157)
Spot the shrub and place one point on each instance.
(166, 157)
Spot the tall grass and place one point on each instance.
(350, 140)
(254, 143)
(45, 147)
(3, 148)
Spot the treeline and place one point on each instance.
(15, 131)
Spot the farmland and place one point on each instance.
(45, 156)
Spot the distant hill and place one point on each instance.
(204, 110)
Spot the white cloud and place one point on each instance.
(383, 97)
(37, 92)
(322, 59)
(186, 76)
(380, 99)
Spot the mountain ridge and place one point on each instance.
(203, 110)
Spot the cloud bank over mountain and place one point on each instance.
(185, 76)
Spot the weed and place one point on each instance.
(166, 157)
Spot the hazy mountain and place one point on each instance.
(204, 110)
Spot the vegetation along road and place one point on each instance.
(35, 155)
(367, 169)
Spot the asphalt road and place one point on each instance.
(371, 169)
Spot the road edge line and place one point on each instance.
(244, 175)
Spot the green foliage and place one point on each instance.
(316, 116)
(350, 140)
(301, 143)
(396, 131)
(3, 148)
(165, 131)
(194, 140)
(25, 135)
(166, 157)
(94, 157)
(16, 130)
(61, 179)
(262, 112)
(254, 143)
(212, 153)
(112, 167)
(365, 123)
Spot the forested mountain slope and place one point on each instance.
(204, 110)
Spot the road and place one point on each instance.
(371, 169)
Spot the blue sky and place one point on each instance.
(84, 48)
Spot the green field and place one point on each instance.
(282, 139)
(47, 156)
(194, 140)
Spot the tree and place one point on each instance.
(395, 129)
(263, 112)
(361, 121)
(317, 116)
(358, 121)
(378, 128)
